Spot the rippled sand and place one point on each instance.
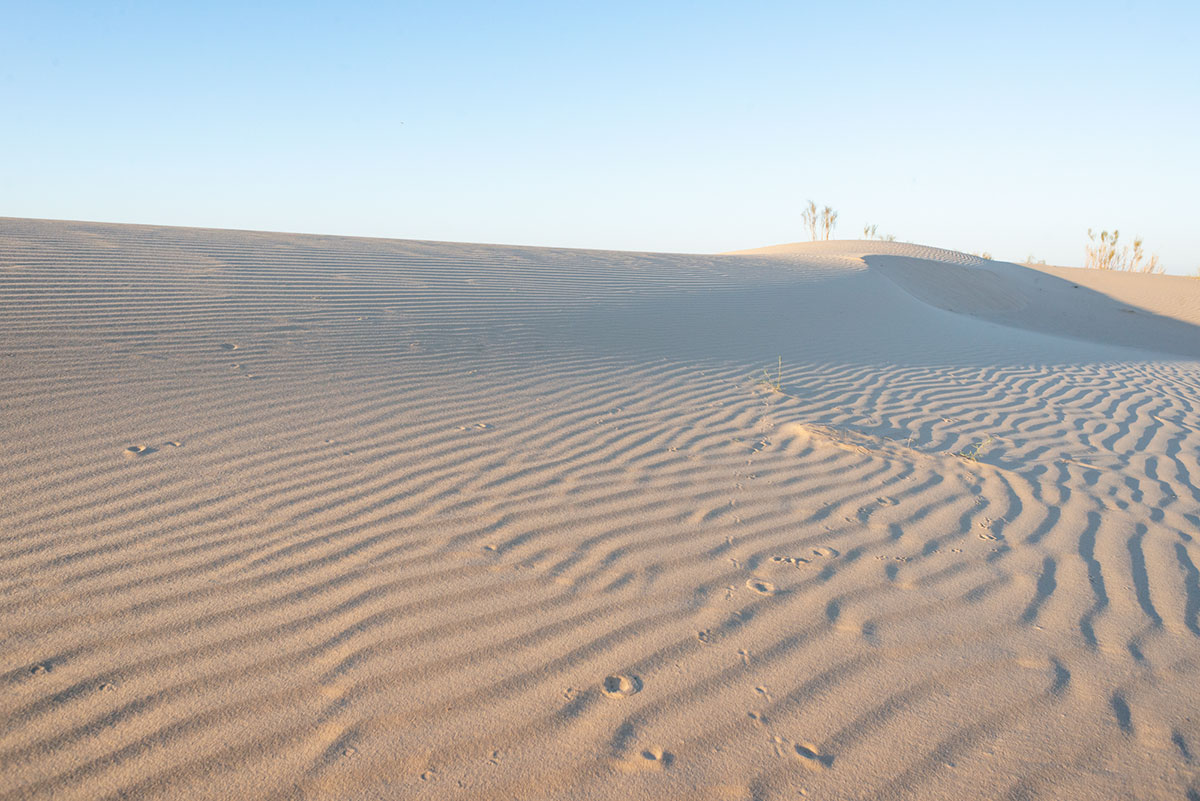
(304, 517)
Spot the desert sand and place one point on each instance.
(302, 517)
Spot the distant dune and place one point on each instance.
(305, 517)
(1165, 309)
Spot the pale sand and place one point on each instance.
(427, 520)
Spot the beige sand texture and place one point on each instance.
(300, 517)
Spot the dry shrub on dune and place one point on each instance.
(819, 222)
(1103, 253)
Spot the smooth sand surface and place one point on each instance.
(302, 517)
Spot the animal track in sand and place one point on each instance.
(656, 758)
(800, 561)
(134, 451)
(810, 756)
(620, 685)
(760, 586)
(807, 753)
(652, 758)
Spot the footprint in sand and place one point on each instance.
(228, 346)
(801, 561)
(810, 756)
(807, 753)
(620, 685)
(760, 586)
(650, 758)
(656, 758)
(795, 561)
(134, 451)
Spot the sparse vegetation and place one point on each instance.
(983, 255)
(1103, 253)
(774, 384)
(972, 452)
(810, 219)
(872, 232)
(819, 222)
(828, 221)
(1031, 259)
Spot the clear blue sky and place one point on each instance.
(644, 126)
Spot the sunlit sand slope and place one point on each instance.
(301, 517)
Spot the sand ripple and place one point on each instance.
(307, 517)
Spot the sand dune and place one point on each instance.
(303, 517)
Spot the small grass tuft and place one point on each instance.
(774, 384)
(872, 232)
(972, 452)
